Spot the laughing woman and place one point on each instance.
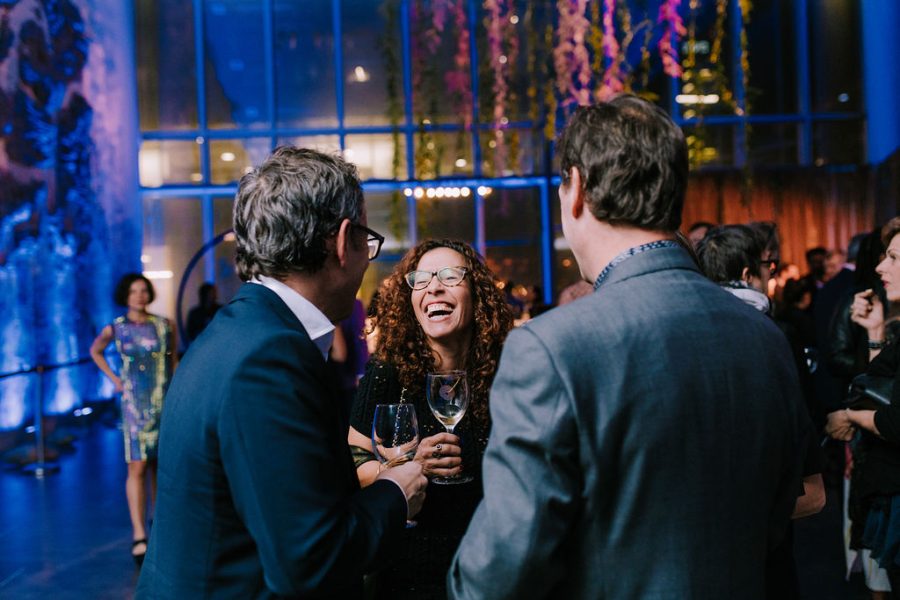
(440, 310)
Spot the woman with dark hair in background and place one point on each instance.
(847, 355)
(145, 343)
(875, 504)
(439, 310)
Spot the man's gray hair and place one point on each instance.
(286, 209)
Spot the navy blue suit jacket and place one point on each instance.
(258, 495)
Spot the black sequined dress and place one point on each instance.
(420, 568)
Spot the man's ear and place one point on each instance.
(745, 275)
(576, 187)
(342, 242)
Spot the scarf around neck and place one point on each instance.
(752, 296)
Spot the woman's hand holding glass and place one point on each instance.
(440, 455)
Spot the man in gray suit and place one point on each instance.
(646, 438)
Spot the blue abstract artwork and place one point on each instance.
(56, 265)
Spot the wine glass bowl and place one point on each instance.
(395, 434)
(448, 397)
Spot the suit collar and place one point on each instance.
(319, 328)
(259, 293)
(650, 261)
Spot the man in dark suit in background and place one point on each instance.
(646, 438)
(258, 496)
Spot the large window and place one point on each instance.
(445, 148)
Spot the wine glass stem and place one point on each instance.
(449, 428)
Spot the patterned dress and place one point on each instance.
(146, 351)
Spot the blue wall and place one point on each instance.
(67, 112)
(881, 65)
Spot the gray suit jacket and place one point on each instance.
(646, 443)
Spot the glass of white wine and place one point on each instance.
(395, 436)
(448, 398)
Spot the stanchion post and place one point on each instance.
(41, 467)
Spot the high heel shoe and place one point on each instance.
(139, 558)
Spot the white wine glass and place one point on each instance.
(395, 436)
(448, 398)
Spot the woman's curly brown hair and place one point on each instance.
(402, 342)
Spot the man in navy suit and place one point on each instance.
(258, 496)
(646, 438)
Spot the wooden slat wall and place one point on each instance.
(811, 208)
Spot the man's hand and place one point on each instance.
(839, 425)
(411, 480)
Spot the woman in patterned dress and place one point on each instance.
(146, 345)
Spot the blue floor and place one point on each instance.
(67, 536)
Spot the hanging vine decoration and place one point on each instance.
(612, 82)
(745, 7)
(596, 38)
(698, 151)
(673, 26)
(511, 38)
(550, 100)
(502, 53)
(388, 44)
(531, 68)
(459, 82)
(427, 26)
(715, 57)
(643, 68)
(570, 56)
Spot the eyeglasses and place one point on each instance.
(374, 240)
(448, 276)
(772, 263)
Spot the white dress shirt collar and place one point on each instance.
(316, 324)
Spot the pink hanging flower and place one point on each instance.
(570, 56)
(500, 30)
(458, 80)
(673, 26)
(612, 76)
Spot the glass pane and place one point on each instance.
(519, 267)
(513, 216)
(230, 159)
(565, 269)
(838, 143)
(165, 162)
(375, 154)
(707, 82)
(773, 144)
(387, 213)
(443, 153)
(166, 74)
(370, 55)
(227, 282)
(773, 76)
(710, 145)
(304, 64)
(521, 154)
(235, 64)
(446, 218)
(323, 143)
(834, 34)
(173, 233)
